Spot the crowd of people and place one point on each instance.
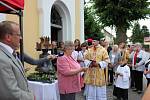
(124, 64)
(89, 66)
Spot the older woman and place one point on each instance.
(138, 61)
(68, 73)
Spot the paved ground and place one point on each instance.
(132, 95)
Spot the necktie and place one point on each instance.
(135, 57)
(18, 61)
(14, 54)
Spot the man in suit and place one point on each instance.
(13, 82)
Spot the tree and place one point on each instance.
(120, 14)
(91, 25)
(145, 31)
(138, 34)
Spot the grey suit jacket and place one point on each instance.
(13, 82)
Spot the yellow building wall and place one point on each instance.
(12, 17)
(77, 19)
(30, 27)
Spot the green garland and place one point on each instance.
(43, 77)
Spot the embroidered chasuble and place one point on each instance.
(95, 75)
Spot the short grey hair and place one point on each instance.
(68, 44)
(6, 27)
(138, 44)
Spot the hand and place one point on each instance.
(112, 66)
(84, 69)
(145, 72)
(136, 65)
(94, 64)
(130, 65)
(51, 56)
(54, 56)
(120, 74)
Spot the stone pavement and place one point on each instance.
(132, 95)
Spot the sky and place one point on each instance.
(129, 32)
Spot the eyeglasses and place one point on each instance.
(17, 34)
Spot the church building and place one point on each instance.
(60, 20)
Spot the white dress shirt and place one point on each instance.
(8, 48)
(123, 81)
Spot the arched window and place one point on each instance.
(55, 17)
(56, 25)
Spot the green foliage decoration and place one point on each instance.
(43, 77)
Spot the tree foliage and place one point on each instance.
(120, 13)
(91, 25)
(138, 33)
(145, 31)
